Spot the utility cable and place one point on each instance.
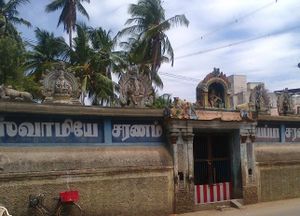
(237, 43)
(238, 20)
(180, 77)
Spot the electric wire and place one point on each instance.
(238, 20)
(187, 79)
(237, 43)
(180, 77)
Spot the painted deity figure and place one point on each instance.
(214, 100)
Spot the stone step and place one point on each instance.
(237, 203)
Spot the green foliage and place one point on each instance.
(81, 52)
(9, 17)
(30, 85)
(93, 56)
(48, 50)
(12, 55)
(93, 60)
(149, 45)
(162, 101)
(68, 14)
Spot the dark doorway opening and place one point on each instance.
(211, 159)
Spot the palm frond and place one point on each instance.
(55, 5)
(13, 4)
(178, 20)
(132, 30)
(169, 49)
(137, 20)
(17, 20)
(82, 10)
(157, 80)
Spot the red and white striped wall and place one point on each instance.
(212, 193)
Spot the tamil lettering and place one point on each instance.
(292, 134)
(267, 134)
(125, 132)
(48, 129)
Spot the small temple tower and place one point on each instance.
(214, 91)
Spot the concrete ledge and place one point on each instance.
(278, 153)
(56, 159)
(14, 107)
(291, 118)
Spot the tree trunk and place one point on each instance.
(70, 38)
(156, 54)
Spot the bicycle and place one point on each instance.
(66, 205)
(4, 211)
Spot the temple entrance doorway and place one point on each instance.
(212, 167)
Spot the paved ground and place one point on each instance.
(277, 208)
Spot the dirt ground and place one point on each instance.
(289, 207)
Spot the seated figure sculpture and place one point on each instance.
(214, 100)
(62, 86)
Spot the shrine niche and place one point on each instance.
(259, 99)
(284, 103)
(213, 92)
(60, 86)
(135, 89)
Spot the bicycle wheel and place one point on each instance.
(69, 209)
(37, 212)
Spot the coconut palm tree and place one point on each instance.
(106, 61)
(48, 50)
(9, 17)
(93, 59)
(148, 26)
(68, 15)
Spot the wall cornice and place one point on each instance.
(15, 107)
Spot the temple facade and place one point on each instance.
(237, 141)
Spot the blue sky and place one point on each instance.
(272, 59)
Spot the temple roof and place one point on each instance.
(213, 75)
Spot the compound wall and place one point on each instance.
(116, 158)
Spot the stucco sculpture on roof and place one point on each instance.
(285, 103)
(259, 97)
(135, 89)
(60, 86)
(10, 94)
(213, 91)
